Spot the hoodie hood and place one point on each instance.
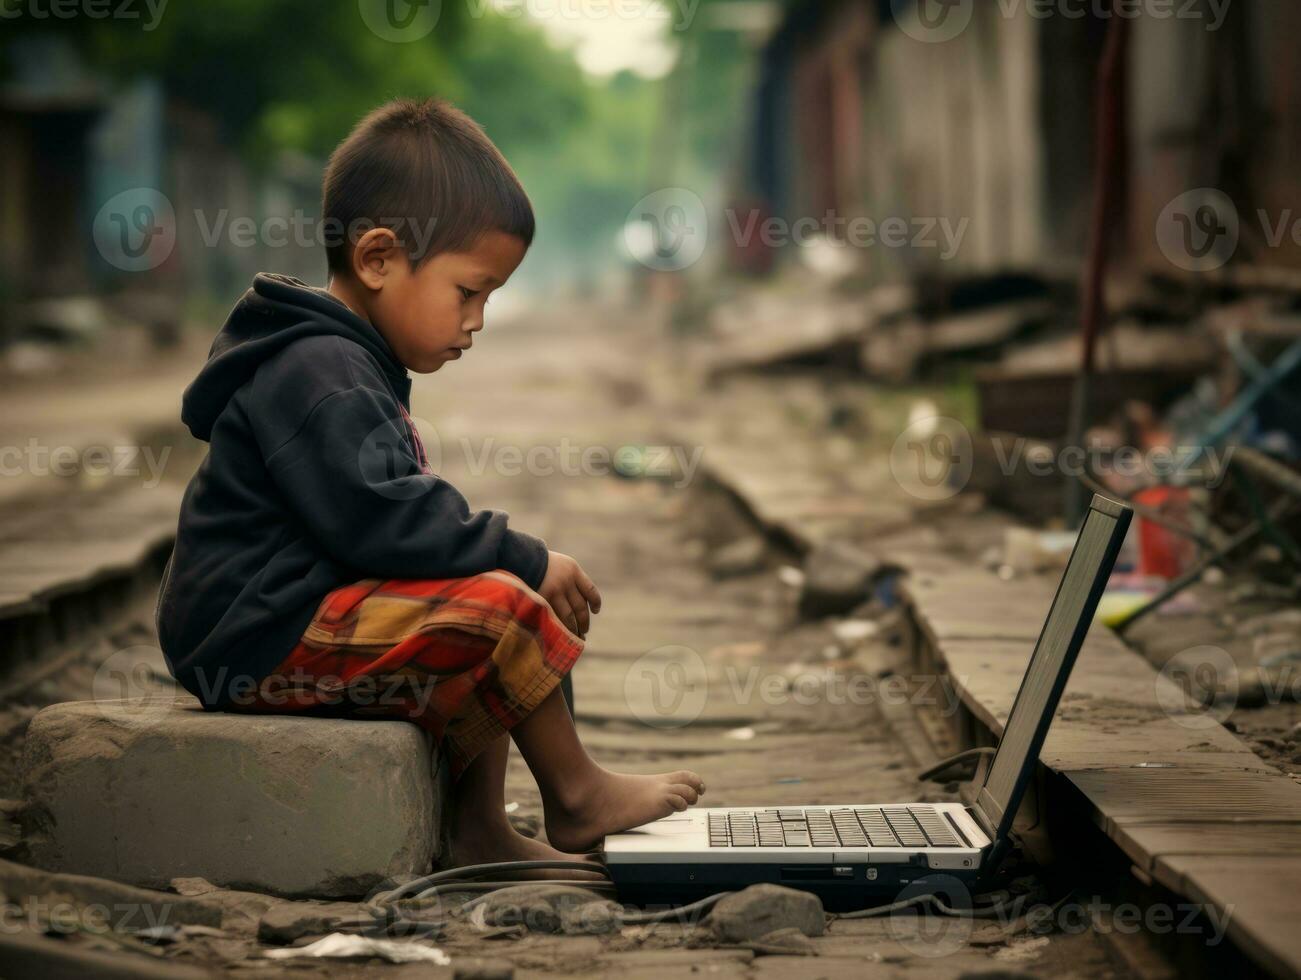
(274, 313)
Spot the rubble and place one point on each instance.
(837, 578)
(285, 922)
(548, 907)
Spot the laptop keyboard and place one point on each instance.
(860, 826)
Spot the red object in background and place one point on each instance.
(1162, 552)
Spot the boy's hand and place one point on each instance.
(570, 592)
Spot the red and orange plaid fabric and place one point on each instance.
(465, 658)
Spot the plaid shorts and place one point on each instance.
(464, 658)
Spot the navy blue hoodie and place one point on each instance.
(314, 478)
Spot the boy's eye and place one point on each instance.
(467, 293)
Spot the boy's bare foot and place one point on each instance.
(479, 844)
(608, 802)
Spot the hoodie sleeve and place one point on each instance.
(350, 473)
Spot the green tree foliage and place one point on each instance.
(295, 75)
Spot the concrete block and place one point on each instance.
(145, 791)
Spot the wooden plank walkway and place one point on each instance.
(1189, 803)
(1183, 798)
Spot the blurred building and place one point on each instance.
(853, 113)
(76, 143)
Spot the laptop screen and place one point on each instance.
(1054, 655)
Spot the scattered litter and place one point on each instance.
(158, 934)
(1022, 949)
(1026, 550)
(512, 806)
(790, 575)
(851, 630)
(338, 945)
(740, 734)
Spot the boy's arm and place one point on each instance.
(349, 474)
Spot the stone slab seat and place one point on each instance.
(144, 791)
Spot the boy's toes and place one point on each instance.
(690, 778)
(679, 803)
(686, 791)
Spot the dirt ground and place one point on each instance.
(693, 662)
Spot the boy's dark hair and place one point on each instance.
(426, 170)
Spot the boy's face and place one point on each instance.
(429, 315)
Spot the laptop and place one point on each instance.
(849, 853)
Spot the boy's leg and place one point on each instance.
(481, 831)
(582, 801)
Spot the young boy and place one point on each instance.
(321, 567)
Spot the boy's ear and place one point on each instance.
(375, 257)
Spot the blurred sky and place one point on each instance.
(608, 36)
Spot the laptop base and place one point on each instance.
(842, 888)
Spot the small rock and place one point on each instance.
(784, 942)
(288, 921)
(593, 919)
(743, 556)
(545, 907)
(761, 909)
(192, 886)
(1292, 736)
(853, 630)
(837, 578)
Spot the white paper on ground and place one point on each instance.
(339, 944)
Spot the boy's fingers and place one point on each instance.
(564, 613)
(590, 592)
(579, 604)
